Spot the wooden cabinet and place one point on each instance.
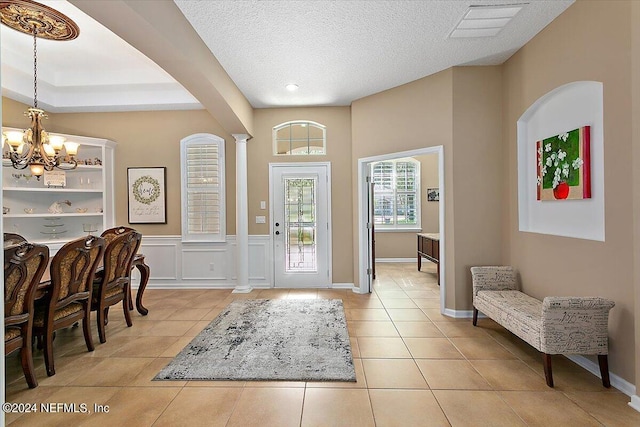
(88, 188)
(429, 248)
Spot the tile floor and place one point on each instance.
(414, 368)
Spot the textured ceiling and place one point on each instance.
(339, 51)
(336, 51)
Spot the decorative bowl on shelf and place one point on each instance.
(5, 210)
(28, 210)
(81, 210)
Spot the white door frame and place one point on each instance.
(363, 249)
(330, 218)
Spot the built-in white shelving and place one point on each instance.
(88, 188)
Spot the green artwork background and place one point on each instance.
(572, 147)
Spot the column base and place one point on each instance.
(242, 290)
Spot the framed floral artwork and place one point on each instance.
(147, 195)
(563, 164)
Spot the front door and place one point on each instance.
(300, 229)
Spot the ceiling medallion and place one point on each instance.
(25, 15)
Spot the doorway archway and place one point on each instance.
(364, 244)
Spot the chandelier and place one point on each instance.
(34, 147)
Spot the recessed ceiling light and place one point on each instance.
(292, 87)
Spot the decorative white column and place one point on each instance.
(242, 216)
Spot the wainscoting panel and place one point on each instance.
(203, 265)
(162, 254)
(259, 259)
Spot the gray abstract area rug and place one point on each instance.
(271, 340)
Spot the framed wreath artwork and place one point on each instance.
(147, 191)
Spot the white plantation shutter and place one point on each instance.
(203, 198)
(396, 201)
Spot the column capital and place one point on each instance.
(241, 137)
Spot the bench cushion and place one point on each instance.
(516, 311)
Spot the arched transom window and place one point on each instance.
(299, 137)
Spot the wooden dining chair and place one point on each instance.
(111, 233)
(138, 262)
(114, 284)
(10, 239)
(24, 265)
(69, 297)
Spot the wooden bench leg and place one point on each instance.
(475, 317)
(604, 370)
(548, 374)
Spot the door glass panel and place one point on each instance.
(300, 224)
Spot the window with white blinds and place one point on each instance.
(396, 196)
(203, 197)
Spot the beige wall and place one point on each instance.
(408, 117)
(429, 179)
(260, 154)
(635, 82)
(459, 108)
(589, 41)
(477, 175)
(403, 245)
(150, 138)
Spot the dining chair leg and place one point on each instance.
(86, 326)
(48, 351)
(101, 321)
(130, 298)
(126, 309)
(26, 356)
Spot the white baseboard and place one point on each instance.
(635, 402)
(382, 260)
(231, 285)
(343, 286)
(187, 285)
(461, 314)
(620, 383)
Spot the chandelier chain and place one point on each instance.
(35, 67)
(32, 147)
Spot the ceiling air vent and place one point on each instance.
(485, 20)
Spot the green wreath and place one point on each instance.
(154, 194)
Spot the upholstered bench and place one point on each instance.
(556, 325)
